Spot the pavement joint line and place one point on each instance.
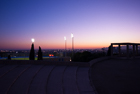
(16, 79)
(8, 71)
(33, 78)
(49, 77)
(91, 82)
(77, 82)
(63, 80)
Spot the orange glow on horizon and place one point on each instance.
(53, 46)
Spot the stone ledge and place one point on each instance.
(38, 62)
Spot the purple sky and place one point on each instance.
(94, 23)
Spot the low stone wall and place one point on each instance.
(91, 63)
(109, 57)
(98, 60)
(90, 73)
(59, 59)
(12, 62)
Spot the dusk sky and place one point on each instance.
(94, 23)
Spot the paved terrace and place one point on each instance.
(100, 76)
(39, 77)
(116, 75)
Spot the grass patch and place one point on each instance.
(21, 58)
(46, 57)
(24, 58)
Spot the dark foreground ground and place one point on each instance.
(116, 76)
(40, 77)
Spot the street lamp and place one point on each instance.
(33, 40)
(71, 35)
(65, 46)
(32, 52)
(72, 43)
(64, 38)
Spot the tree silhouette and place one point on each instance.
(109, 51)
(39, 54)
(32, 53)
(9, 57)
(87, 56)
(82, 57)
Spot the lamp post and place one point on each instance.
(32, 52)
(65, 45)
(72, 43)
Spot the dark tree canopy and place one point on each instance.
(9, 57)
(86, 56)
(109, 51)
(39, 54)
(32, 53)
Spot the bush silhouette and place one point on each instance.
(109, 51)
(76, 56)
(82, 57)
(86, 56)
(32, 53)
(39, 54)
(9, 57)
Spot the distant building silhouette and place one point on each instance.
(32, 53)
(135, 48)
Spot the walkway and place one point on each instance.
(116, 76)
(44, 79)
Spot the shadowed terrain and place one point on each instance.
(110, 76)
(116, 76)
(31, 78)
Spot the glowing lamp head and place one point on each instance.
(33, 40)
(72, 35)
(64, 38)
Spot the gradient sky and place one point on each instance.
(94, 23)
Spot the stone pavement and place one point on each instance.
(44, 79)
(116, 76)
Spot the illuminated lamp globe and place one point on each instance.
(72, 35)
(64, 38)
(33, 40)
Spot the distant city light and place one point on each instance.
(64, 38)
(33, 40)
(72, 35)
(51, 55)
